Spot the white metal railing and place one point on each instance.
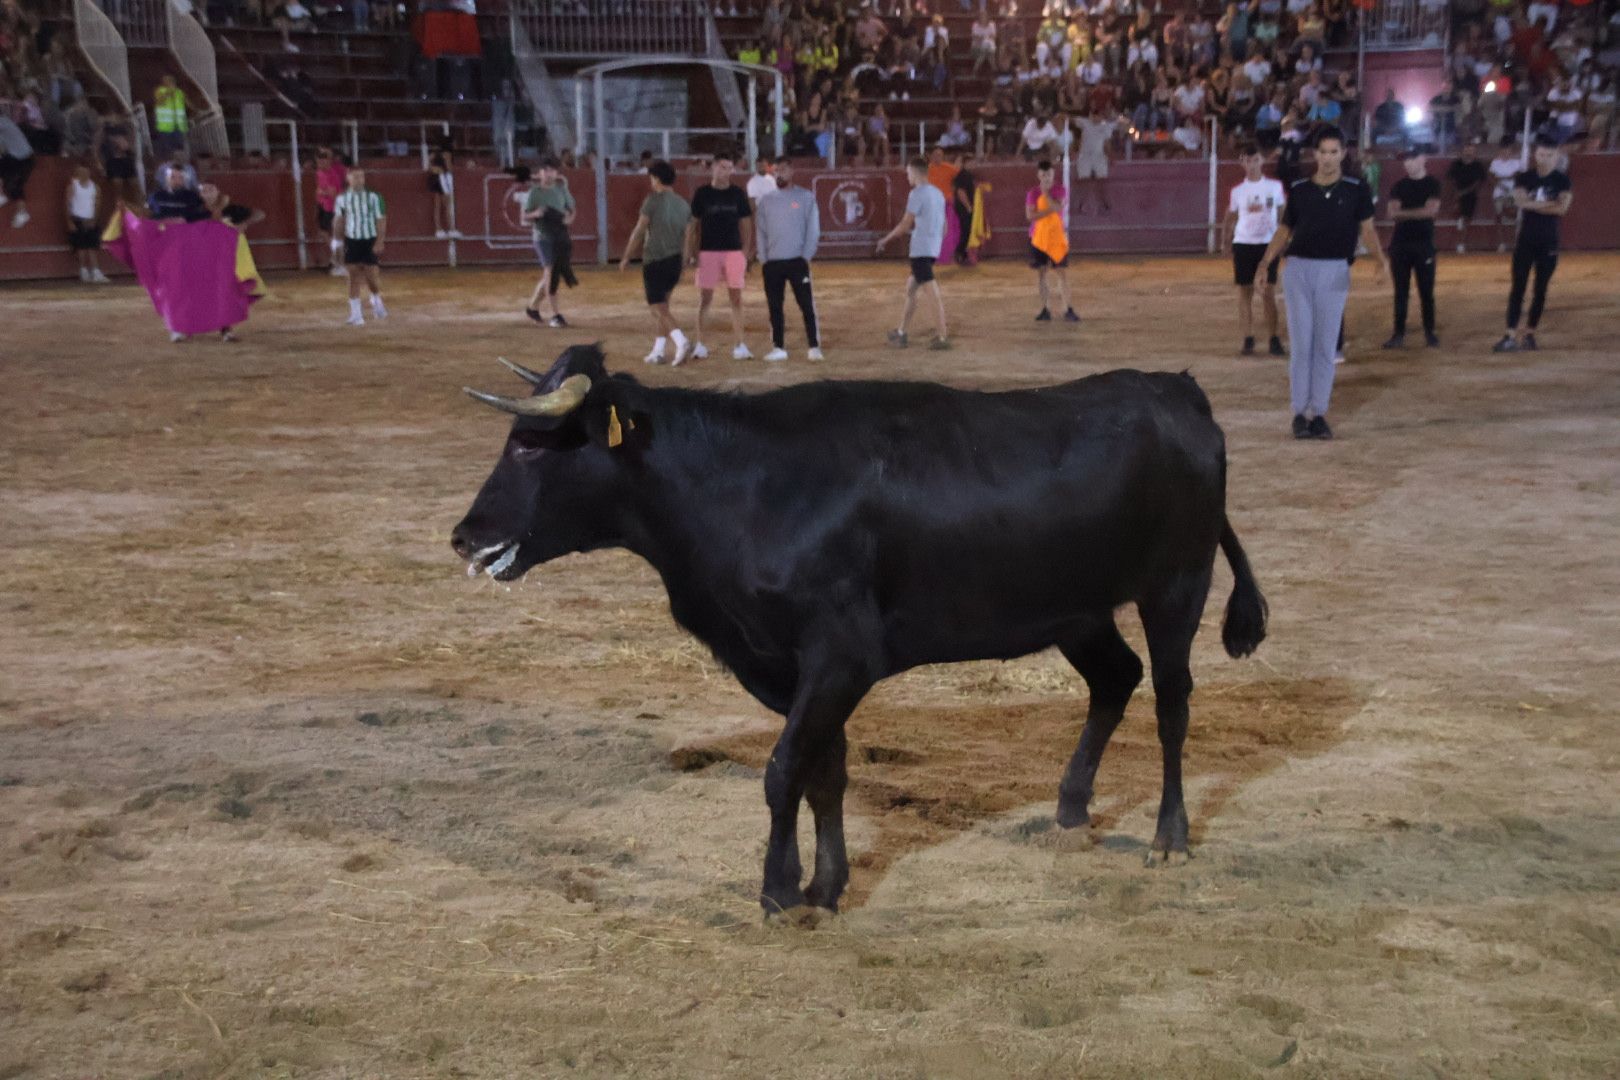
(190, 45)
(165, 24)
(103, 46)
(610, 27)
(143, 23)
(1410, 24)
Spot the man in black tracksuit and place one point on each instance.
(1543, 196)
(1414, 203)
(787, 228)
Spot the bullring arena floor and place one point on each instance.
(283, 794)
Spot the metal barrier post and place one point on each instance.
(1214, 180)
(298, 188)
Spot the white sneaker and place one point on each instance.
(699, 351)
(378, 312)
(355, 320)
(654, 357)
(1338, 358)
(741, 352)
(339, 271)
(776, 354)
(175, 337)
(687, 351)
(1462, 248)
(440, 234)
(99, 278)
(815, 354)
(84, 273)
(22, 218)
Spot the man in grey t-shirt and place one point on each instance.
(925, 220)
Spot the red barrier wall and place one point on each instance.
(1158, 207)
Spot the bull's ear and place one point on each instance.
(614, 421)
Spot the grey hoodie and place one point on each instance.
(787, 225)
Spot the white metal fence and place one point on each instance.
(169, 24)
(611, 27)
(103, 46)
(144, 23)
(1411, 24)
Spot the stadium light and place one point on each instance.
(1414, 115)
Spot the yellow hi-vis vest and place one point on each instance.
(171, 109)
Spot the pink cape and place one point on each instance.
(197, 273)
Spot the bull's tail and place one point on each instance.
(1245, 625)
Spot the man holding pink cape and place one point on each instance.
(199, 273)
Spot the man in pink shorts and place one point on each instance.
(720, 243)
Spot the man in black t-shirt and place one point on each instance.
(1467, 175)
(963, 185)
(1543, 195)
(1414, 202)
(720, 243)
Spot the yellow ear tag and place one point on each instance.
(615, 434)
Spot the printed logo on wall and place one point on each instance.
(503, 214)
(854, 207)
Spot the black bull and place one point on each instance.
(824, 536)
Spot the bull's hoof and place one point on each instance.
(777, 903)
(1072, 815)
(802, 917)
(1157, 858)
(825, 899)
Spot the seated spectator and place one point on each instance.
(81, 128)
(1257, 67)
(1187, 100)
(1188, 137)
(877, 137)
(297, 86)
(984, 42)
(289, 16)
(1389, 121)
(956, 132)
(1326, 112)
(1038, 134)
(1268, 120)
(16, 165)
(1565, 102)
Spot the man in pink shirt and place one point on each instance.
(331, 177)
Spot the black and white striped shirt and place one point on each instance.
(360, 211)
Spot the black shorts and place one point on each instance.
(1246, 261)
(659, 278)
(360, 252)
(1466, 205)
(323, 221)
(119, 167)
(922, 269)
(1039, 259)
(84, 236)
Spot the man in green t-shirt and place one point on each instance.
(549, 209)
(661, 234)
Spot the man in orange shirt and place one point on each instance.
(942, 175)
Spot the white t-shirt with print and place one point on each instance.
(1258, 205)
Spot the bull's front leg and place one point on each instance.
(809, 759)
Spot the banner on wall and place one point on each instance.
(504, 229)
(854, 207)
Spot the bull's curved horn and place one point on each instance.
(560, 402)
(533, 378)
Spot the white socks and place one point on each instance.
(354, 308)
(678, 338)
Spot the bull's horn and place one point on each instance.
(533, 378)
(560, 402)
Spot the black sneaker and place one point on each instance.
(533, 314)
(1430, 340)
(1248, 346)
(1044, 316)
(1507, 344)
(1529, 343)
(1276, 346)
(1396, 341)
(558, 321)
(1071, 315)
(1318, 428)
(1302, 429)
(897, 338)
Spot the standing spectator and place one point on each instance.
(1252, 214)
(115, 150)
(925, 220)
(762, 183)
(1091, 163)
(1565, 102)
(1322, 221)
(1504, 169)
(331, 177)
(1414, 203)
(1467, 175)
(169, 116)
(1038, 135)
(1049, 238)
(16, 165)
(441, 185)
(720, 243)
(360, 220)
(83, 208)
(549, 210)
(81, 128)
(789, 228)
(660, 237)
(1543, 196)
(964, 185)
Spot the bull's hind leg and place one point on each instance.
(1171, 621)
(1112, 672)
(824, 791)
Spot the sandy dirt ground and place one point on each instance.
(284, 794)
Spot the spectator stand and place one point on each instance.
(107, 56)
(604, 133)
(168, 25)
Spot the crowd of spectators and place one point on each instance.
(1260, 69)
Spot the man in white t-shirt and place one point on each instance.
(1252, 213)
(1091, 162)
(1503, 168)
(1257, 68)
(762, 183)
(1565, 102)
(1038, 134)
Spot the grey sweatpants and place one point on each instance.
(1316, 290)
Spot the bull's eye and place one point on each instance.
(526, 445)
